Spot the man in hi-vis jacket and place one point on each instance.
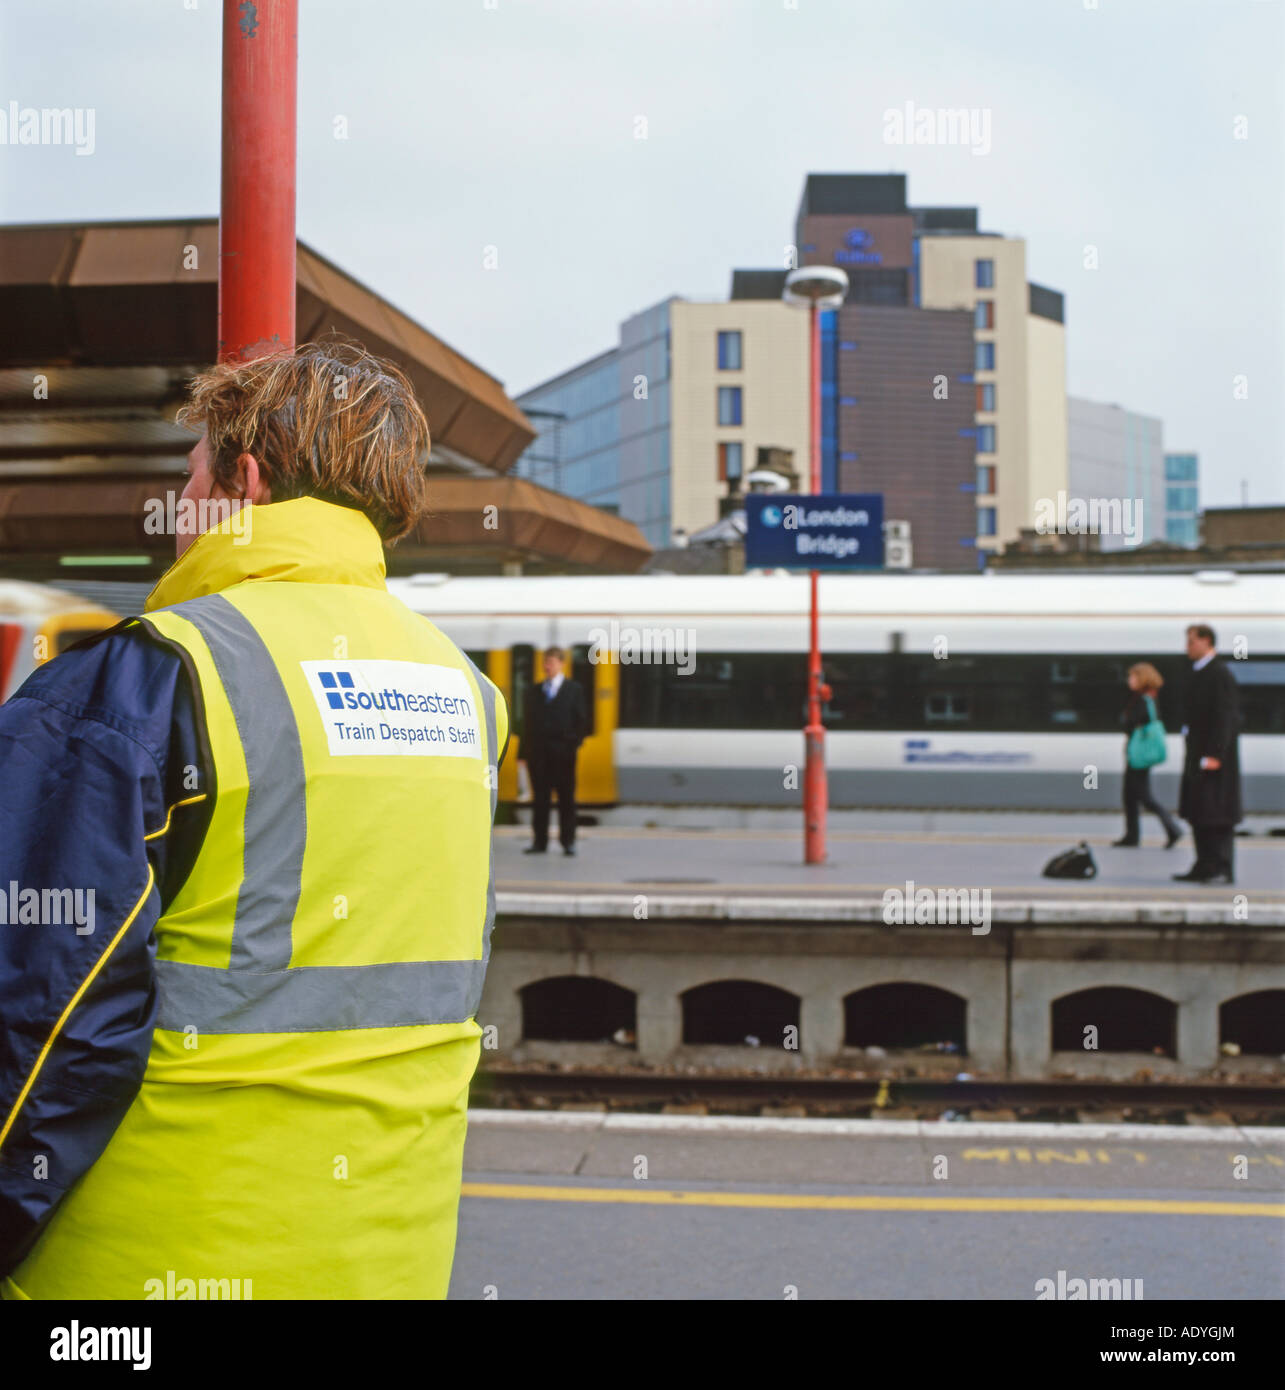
(275, 788)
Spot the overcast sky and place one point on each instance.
(512, 124)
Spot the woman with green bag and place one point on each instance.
(1143, 751)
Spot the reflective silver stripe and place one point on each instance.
(316, 998)
(261, 992)
(276, 823)
(493, 776)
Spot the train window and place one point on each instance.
(1258, 672)
(583, 672)
(907, 691)
(724, 690)
(946, 708)
(479, 659)
(523, 656)
(1262, 695)
(864, 689)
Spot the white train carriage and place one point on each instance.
(997, 690)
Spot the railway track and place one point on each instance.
(1157, 1101)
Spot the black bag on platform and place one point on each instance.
(1072, 863)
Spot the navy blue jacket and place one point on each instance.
(96, 749)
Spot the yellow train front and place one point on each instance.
(37, 623)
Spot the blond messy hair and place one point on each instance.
(1148, 677)
(325, 420)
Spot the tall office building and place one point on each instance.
(1117, 456)
(897, 412)
(942, 384)
(1182, 499)
(936, 259)
(1019, 373)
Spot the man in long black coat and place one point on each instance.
(553, 727)
(1210, 797)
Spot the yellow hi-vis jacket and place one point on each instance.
(300, 1126)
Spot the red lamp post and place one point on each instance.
(819, 287)
(257, 203)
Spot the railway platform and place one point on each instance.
(715, 856)
(715, 947)
(591, 1206)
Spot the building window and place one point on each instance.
(730, 456)
(729, 351)
(1180, 499)
(1181, 530)
(729, 405)
(1180, 468)
(984, 357)
(985, 277)
(985, 394)
(985, 439)
(986, 521)
(984, 310)
(986, 478)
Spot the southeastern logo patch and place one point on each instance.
(395, 707)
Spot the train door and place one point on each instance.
(595, 766)
(596, 769)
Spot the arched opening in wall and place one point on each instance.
(735, 1011)
(577, 1008)
(1114, 1018)
(905, 1016)
(1254, 1023)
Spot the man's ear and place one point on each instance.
(250, 480)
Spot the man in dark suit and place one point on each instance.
(554, 725)
(1210, 796)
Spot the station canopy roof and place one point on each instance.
(106, 322)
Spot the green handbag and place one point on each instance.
(1147, 741)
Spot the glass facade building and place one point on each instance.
(604, 428)
(645, 374)
(1182, 499)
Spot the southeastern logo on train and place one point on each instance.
(922, 751)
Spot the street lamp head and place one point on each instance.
(766, 480)
(822, 285)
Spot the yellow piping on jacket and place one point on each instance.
(71, 1004)
(188, 801)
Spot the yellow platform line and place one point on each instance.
(787, 1201)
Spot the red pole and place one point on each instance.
(257, 207)
(815, 791)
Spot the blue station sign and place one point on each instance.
(826, 531)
